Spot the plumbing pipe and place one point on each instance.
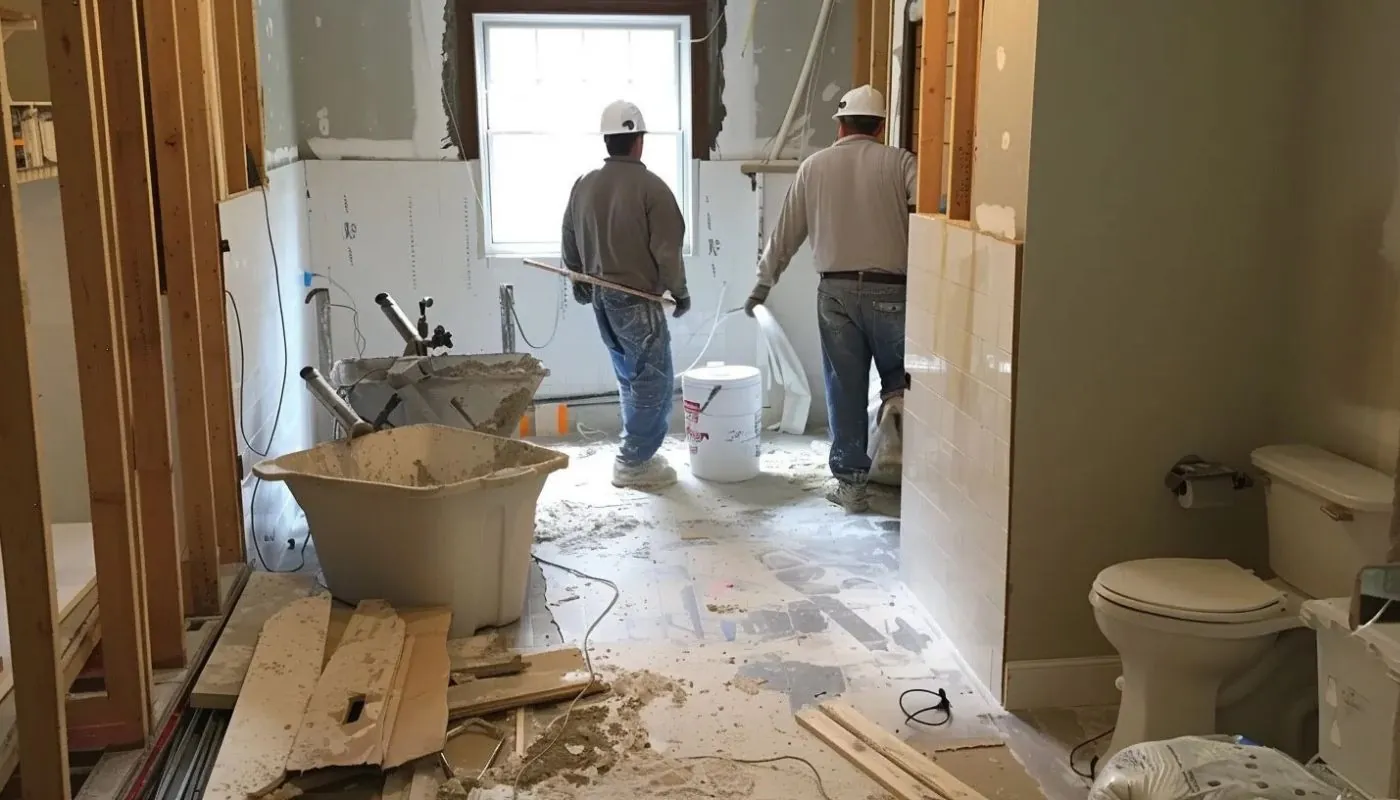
(415, 346)
(803, 77)
(334, 403)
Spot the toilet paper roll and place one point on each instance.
(1208, 493)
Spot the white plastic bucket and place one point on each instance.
(423, 515)
(723, 415)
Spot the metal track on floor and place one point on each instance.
(186, 764)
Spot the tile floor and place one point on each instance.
(763, 599)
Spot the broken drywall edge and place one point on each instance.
(428, 25)
(999, 220)
(279, 157)
(372, 150)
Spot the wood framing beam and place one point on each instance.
(227, 42)
(251, 86)
(172, 123)
(881, 18)
(205, 183)
(967, 40)
(933, 90)
(209, 57)
(30, 588)
(860, 67)
(135, 225)
(94, 278)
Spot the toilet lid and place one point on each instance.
(1208, 590)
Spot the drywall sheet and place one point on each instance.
(413, 229)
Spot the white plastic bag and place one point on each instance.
(887, 441)
(1196, 768)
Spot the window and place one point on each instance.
(542, 83)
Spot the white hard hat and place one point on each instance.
(622, 117)
(862, 101)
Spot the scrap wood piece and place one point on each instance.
(896, 781)
(550, 677)
(416, 781)
(279, 683)
(417, 718)
(314, 782)
(265, 594)
(491, 668)
(898, 752)
(343, 724)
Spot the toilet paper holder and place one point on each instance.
(1192, 470)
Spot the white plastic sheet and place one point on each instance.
(785, 369)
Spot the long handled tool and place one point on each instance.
(580, 277)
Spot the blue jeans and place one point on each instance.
(858, 322)
(635, 333)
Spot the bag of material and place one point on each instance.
(1196, 768)
(887, 441)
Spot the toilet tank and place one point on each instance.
(1328, 517)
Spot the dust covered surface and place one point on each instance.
(575, 526)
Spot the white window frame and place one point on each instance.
(685, 95)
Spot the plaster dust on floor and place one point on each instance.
(738, 605)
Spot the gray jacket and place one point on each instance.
(622, 224)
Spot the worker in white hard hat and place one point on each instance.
(853, 201)
(623, 224)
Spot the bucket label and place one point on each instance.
(693, 435)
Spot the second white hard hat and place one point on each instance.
(622, 117)
(862, 101)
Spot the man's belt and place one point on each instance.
(867, 277)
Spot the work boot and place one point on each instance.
(652, 474)
(849, 495)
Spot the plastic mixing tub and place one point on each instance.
(423, 515)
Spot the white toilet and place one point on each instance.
(1186, 627)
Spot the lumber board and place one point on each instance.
(899, 753)
(549, 677)
(417, 718)
(879, 768)
(881, 20)
(280, 683)
(417, 781)
(932, 94)
(861, 55)
(265, 594)
(96, 293)
(226, 42)
(30, 584)
(251, 87)
(134, 219)
(345, 721)
(967, 37)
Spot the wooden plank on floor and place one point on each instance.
(266, 593)
(963, 127)
(346, 718)
(899, 753)
(150, 429)
(933, 90)
(30, 585)
(169, 118)
(550, 676)
(97, 314)
(880, 769)
(281, 680)
(418, 709)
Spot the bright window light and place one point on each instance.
(542, 84)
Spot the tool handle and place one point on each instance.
(580, 277)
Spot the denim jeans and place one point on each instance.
(635, 333)
(858, 322)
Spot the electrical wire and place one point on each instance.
(821, 787)
(554, 332)
(720, 316)
(1093, 762)
(1373, 620)
(713, 28)
(360, 341)
(587, 660)
(943, 705)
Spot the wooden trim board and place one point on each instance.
(345, 721)
(279, 684)
(898, 752)
(1062, 683)
(880, 769)
(551, 676)
(264, 595)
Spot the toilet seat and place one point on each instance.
(1191, 590)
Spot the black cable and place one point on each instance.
(242, 359)
(521, 328)
(943, 705)
(1093, 762)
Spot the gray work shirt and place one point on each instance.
(622, 224)
(852, 199)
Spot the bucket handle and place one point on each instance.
(270, 470)
(506, 476)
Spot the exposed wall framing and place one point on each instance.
(141, 128)
(942, 109)
(698, 11)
